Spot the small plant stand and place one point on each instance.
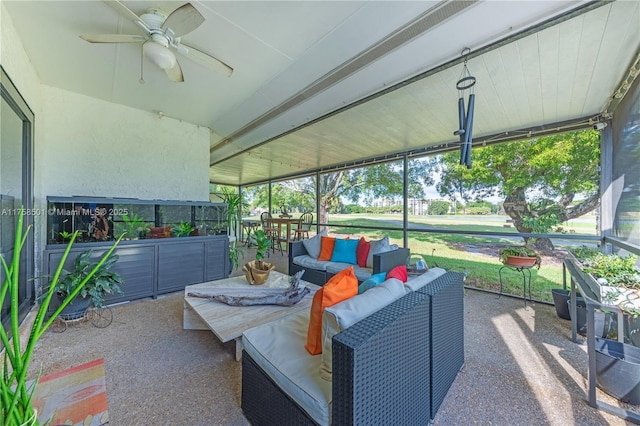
(526, 279)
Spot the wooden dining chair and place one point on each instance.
(304, 226)
(273, 232)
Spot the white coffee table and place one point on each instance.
(229, 322)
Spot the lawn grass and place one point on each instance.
(475, 256)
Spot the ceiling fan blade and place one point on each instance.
(175, 73)
(128, 13)
(183, 20)
(113, 38)
(207, 60)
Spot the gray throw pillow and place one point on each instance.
(377, 247)
(312, 245)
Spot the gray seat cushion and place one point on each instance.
(278, 348)
(361, 273)
(309, 262)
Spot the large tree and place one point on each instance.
(544, 181)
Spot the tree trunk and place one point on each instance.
(515, 206)
(323, 214)
(544, 245)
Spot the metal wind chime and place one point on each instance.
(465, 118)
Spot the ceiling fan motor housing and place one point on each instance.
(154, 18)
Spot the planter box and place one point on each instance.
(618, 370)
(588, 279)
(607, 295)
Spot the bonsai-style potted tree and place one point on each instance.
(15, 393)
(103, 282)
(520, 257)
(257, 271)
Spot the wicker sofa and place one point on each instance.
(319, 272)
(395, 366)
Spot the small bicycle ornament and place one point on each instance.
(99, 317)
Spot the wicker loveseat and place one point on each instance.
(395, 366)
(319, 272)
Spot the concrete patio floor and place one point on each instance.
(521, 367)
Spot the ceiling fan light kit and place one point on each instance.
(162, 57)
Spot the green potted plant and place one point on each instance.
(619, 285)
(612, 277)
(102, 283)
(257, 271)
(263, 244)
(65, 235)
(134, 226)
(520, 257)
(234, 212)
(184, 229)
(15, 394)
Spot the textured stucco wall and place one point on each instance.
(87, 146)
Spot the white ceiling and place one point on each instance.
(280, 50)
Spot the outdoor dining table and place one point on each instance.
(287, 221)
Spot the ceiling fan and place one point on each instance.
(161, 32)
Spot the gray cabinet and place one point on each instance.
(154, 267)
(180, 265)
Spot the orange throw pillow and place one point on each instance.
(340, 287)
(326, 248)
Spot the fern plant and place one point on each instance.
(519, 251)
(102, 282)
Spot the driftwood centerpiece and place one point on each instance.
(259, 296)
(257, 271)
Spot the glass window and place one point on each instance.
(16, 188)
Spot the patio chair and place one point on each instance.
(273, 232)
(304, 226)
